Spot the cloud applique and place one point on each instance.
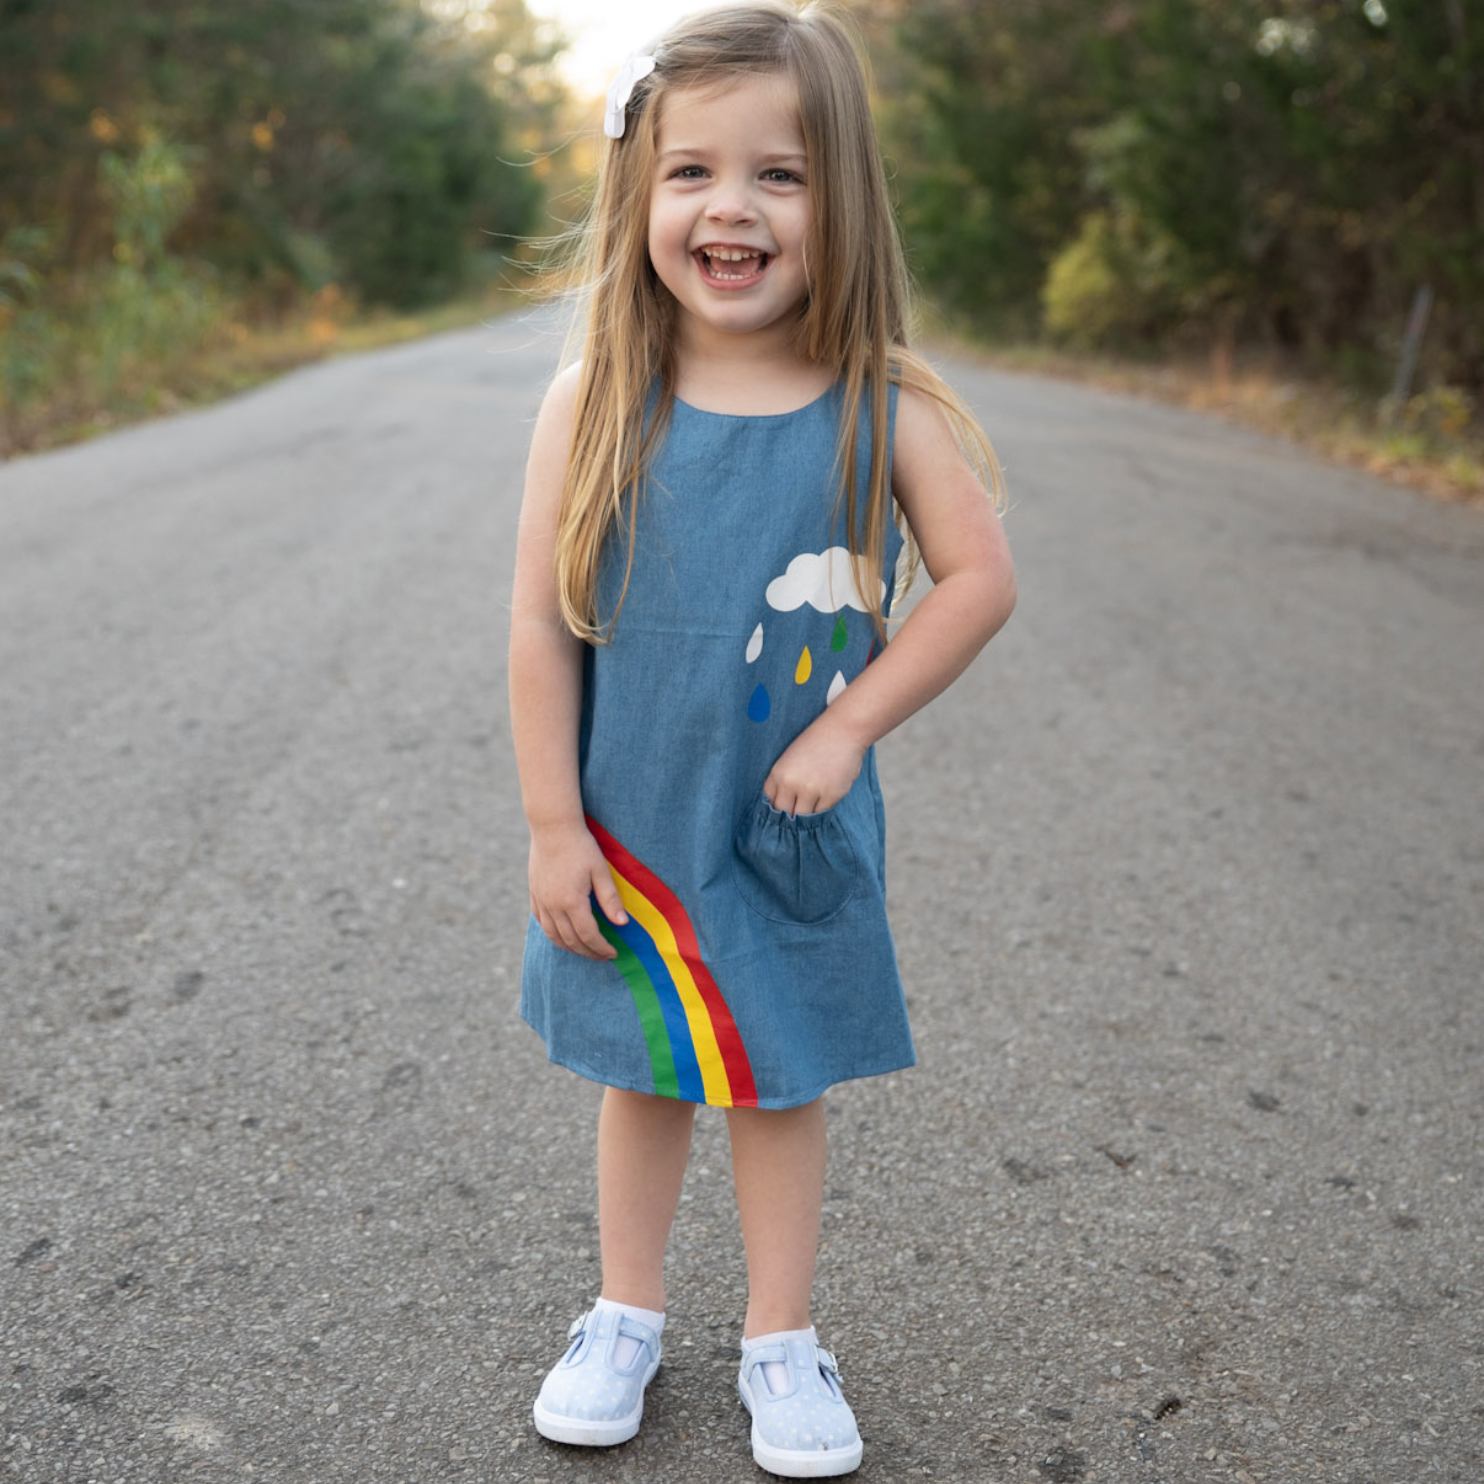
(824, 580)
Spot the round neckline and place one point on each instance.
(760, 417)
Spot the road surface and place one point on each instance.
(1188, 881)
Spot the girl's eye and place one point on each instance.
(689, 172)
(781, 177)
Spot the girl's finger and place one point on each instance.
(580, 935)
(550, 923)
(565, 935)
(549, 926)
(606, 891)
(594, 944)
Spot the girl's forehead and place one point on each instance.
(767, 99)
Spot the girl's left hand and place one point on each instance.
(814, 773)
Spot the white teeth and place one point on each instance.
(718, 257)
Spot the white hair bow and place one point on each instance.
(635, 66)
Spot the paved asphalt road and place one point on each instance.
(1188, 878)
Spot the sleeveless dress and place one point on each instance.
(757, 967)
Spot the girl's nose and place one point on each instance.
(730, 203)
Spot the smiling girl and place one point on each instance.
(699, 672)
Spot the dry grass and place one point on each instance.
(1434, 443)
(234, 355)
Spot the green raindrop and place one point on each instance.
(841, 637)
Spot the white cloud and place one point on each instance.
(825, 581)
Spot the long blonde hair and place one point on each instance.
(855, 316)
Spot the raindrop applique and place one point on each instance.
(840, 638)
(805, 667)
(755, 644)
(759, 706)
(836, 686)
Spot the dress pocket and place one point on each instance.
(794, 868)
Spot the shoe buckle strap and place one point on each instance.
(635, 1330)
(756, 1355)
(827, 1361)
(578, 1325)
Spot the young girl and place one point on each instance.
(698, 672)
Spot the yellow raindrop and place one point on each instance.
(805, 668)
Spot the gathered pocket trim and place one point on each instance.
(794, 868)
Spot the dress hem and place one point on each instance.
(789, 1100)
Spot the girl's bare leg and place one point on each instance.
(778, 1162)
(643, 1144)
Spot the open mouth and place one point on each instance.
(731, 264)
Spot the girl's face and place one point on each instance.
(729, 209)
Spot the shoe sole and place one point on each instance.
(585, 1434)
(798, 1463)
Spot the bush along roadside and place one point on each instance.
(151, 332)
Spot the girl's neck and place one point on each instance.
(745, 383)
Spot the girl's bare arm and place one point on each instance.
(545, 705)
(965, 553)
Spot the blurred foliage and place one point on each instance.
(1127, 173)
(365, 140)
(1123, 175)
(1116, 282)
(172, 169)
(147, 305)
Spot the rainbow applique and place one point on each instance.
(695, 1050)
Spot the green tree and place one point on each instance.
(981, 125)
(368, 140)
(1281, 170)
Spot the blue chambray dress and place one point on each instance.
(756, 967)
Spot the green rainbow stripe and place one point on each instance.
(651, 1017)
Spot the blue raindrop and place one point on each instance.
(759, 706)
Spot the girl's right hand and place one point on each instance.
(566, 870)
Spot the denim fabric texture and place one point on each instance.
(758, 965)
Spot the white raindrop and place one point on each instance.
(755, 644)
(836, 686)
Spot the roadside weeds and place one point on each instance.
(1433, 443)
